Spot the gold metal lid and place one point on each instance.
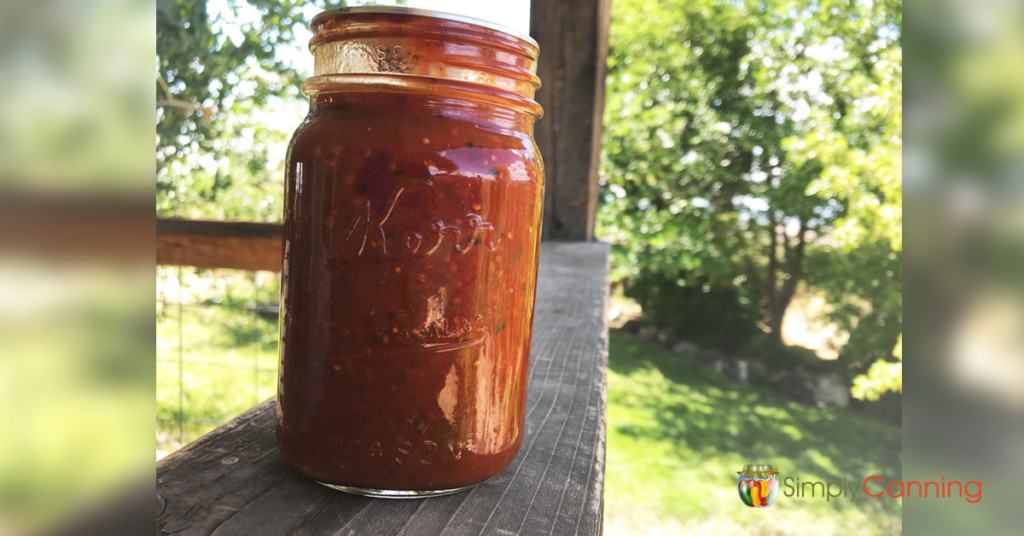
(404, 49)
(760, 471)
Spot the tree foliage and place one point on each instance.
(220, 73)
(883, 376)
(755, 145)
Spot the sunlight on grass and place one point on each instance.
(226, 363)
(678, 433)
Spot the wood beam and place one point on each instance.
(573, 39)
(219, 244)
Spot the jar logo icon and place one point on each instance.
(758, 485)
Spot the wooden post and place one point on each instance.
(573, 38)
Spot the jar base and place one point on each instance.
(394, 493)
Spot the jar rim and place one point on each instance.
(430, 13)
(341, 83)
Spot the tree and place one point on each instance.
(217, 75)
(226, 76)
(754, 146)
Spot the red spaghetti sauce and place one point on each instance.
(412, 220)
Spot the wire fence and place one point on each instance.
(216, 349)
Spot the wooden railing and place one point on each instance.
(102, 226)
(219, 244)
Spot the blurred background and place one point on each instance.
(750, 188)
(964, 179)
(76, 262)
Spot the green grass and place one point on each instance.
(226, 363)
(678, 433)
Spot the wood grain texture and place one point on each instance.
(232, 480)
(573, 39)
(219, 244)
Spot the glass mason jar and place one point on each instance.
(413, 202)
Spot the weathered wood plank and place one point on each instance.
(219, 244)
(232, 481)
(573, 39)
